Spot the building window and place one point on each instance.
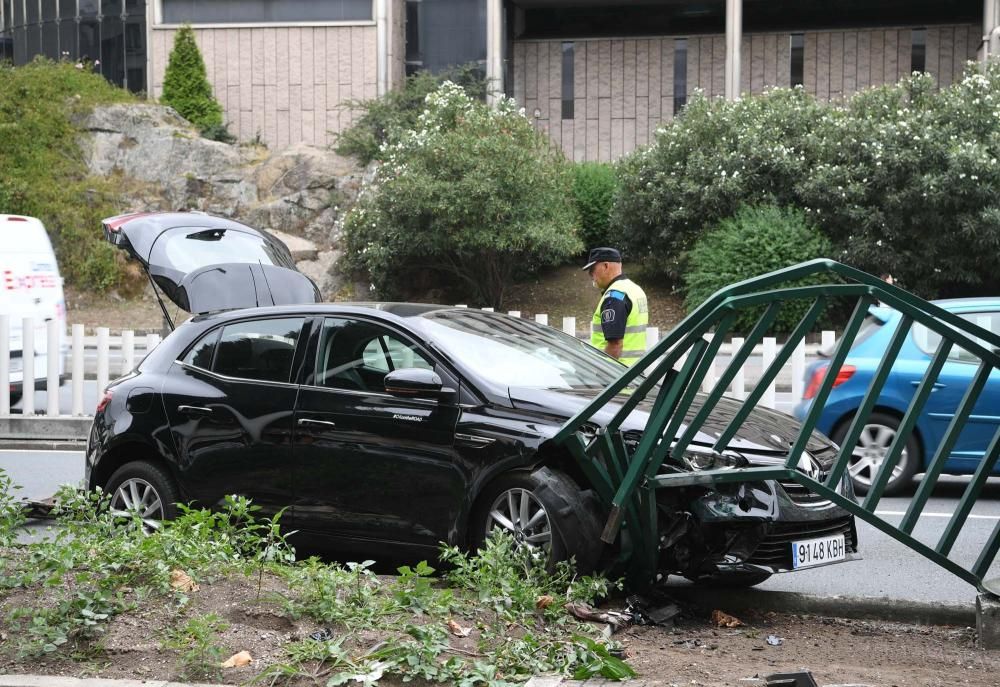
(447, 34)
(567, 80)
(264, 11)
(414, 58)
(680, 73)
(109, 33)
(918, 50)
(796, 65)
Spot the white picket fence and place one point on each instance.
(97, 359)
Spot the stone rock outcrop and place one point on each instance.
(301, 193)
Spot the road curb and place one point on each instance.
(860, 608)
(42, 445)
(44, 429)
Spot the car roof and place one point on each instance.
(960, 303)
(402, 311)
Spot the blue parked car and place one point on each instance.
(856, 375)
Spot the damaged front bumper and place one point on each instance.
(751, 527)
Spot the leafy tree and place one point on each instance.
(473, 195)
(754, 241)
(386, 118)
(185, 83)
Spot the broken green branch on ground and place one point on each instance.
(494, 617)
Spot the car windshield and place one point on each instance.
(511, 352)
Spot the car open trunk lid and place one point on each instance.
(205, 264)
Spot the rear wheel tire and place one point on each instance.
(869, 454)
(144, 489)
(543, 509)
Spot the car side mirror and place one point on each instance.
(415, 382)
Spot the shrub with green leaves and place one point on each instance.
(594, 185)
(754, 241)
(386, 118)
(713, 159)
(185, 83)
(898, 177)
(472, 196)
(43, 172)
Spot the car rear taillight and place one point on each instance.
(105, 400)
(845, 373)
(17, 219)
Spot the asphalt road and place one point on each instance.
(889, 569)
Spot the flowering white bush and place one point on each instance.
(471, 196)
(902, 178)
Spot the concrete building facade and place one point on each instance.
(598, 76)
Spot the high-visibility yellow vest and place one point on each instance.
(634, 343)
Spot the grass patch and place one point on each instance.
(493, 617)
(43, 172)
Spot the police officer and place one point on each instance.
(619, 324)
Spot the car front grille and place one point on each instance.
(775, 549)
(802, 495)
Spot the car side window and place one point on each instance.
(260, 350)
(928, 341)
(356, 355)
(201, 354)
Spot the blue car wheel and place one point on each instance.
(870, 452)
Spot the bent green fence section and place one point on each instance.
(671, 374)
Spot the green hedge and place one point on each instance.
(754, 241)
(903, 178)
(594, 186)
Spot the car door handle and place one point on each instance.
(937, 385)
(322, 424)
(199, 411)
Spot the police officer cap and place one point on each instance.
(602, 255)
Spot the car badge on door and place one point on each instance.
(408, 418)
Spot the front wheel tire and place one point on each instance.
(543, 510)
(145, 490)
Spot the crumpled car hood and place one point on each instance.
(764, 431)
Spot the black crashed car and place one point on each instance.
(388, 428)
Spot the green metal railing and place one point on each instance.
(670, 375)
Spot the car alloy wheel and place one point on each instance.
(871, 449)
(137, 497)
(870, 453)
(518, 512)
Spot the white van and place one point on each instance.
(30, 286)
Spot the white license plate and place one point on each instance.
(818, 551)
